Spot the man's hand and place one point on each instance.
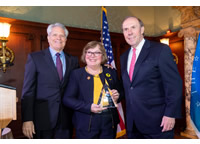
(115, 95)
(109, 66)
(28, 129)
(97, 108)
(167, 123)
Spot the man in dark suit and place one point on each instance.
(152, 84)
(46, 76)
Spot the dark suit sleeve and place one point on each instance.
(71, 96)
(28, 91)
(119, 87)
(121, 90)
(172, 83)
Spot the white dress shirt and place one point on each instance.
(138, 49)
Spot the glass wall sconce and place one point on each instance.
(6, 54)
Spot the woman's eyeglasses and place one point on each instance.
(96, 54)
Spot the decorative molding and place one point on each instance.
(43, 37)
(196, 10)
(187, 13)
(187, 32)
(190, 16)
(29, 36)
(194, 23)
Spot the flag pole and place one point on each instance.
(103, 9)
(101, 24)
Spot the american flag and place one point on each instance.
(105, 37)
(195, 91)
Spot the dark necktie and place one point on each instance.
(59, 66)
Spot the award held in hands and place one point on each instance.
(105, 99)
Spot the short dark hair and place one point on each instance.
(91, 45)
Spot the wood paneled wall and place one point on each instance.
(26, 37)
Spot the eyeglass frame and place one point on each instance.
(96, 54)
(91, 45)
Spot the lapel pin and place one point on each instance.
(88, 77)
(107, 74)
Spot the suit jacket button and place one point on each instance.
(131, 87)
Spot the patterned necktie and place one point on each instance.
(59, 66)
(132, 65)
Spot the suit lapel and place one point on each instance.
(124, 66)
(87, 84)
(68, 64)
(49, 61)
(143, 54)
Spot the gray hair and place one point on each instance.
(51, 26)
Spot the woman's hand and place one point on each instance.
(97, 108)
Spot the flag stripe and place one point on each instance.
(122, 126)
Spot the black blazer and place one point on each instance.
(155, 90)
(79, 96)
(43, 91)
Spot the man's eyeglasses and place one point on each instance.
(96, 54)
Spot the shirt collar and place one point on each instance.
(140, 45)
(53, 52)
